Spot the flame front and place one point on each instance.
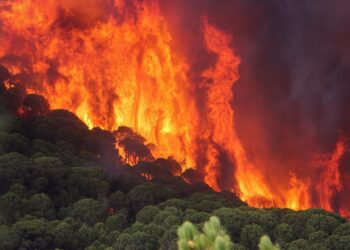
(114, 64)
(110, 73)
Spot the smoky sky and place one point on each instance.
(292, 100)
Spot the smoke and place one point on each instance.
(293, 97)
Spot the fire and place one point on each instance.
(221, 116)
(331, 182)
(113, 64)
(111, 73)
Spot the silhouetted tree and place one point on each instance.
(135, 151)
(192, 176)
(171, 164)
(4, 76)
(133, 145)
(14, 97)
(35, 105)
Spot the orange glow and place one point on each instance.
(115, 67)
(298, 195)
(109, 74)
(331, 177)
(221, 116)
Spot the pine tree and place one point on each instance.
(212, 237)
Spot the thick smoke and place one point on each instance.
(293, 96)
(292, 99)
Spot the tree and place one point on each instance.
(117, 222)
(251, 235)
(63, 236)
(14, 143)
(232, 219)
(169, 239)
(133, 145)
(14, 96)
(35, 105)
(13, 169)
(266, 244)
(19, 190)
(9, 239)
(40, 205)
(175, 202)
(206, 202)
(148, 194)
(213, 236)
(11, 207)
(118, 201)
(35, 234)
(136, 241)
(170, 164)
(84, 236)
(343, 229)
(167, 219)
(88, 182)
(317, 237)
(300, 244)
(192, 176)
(337, 242)
(196, 217)
(88, 211)
(135, 151)
(266, 220)
(4, 76)
(147, 214)
(321, 222)
(283, 233)
(123, 242)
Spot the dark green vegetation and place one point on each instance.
(63, 186)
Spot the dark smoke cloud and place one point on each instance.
(293, 97)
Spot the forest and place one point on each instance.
(65, 186)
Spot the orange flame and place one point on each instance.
(330, 180)
(221, 116)
(111, 73)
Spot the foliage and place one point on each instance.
(213, 236)
(266, 244)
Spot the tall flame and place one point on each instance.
(331, 182)
(110, 74)
(221, 116)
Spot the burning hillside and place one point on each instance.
(121, 64)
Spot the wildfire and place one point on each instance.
(110, 73)
(331, 182)
(114, 64)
